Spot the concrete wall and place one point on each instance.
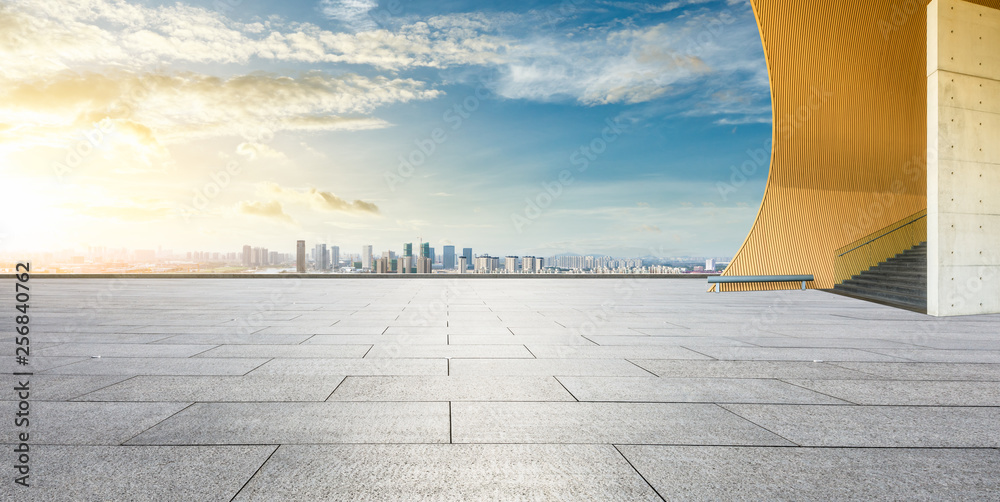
(963, 158)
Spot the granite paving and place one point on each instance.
(489, 389)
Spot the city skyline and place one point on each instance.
(191, 126)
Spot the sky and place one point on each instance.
(530, 127)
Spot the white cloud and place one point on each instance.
(352, 13)
(254, 151)
(149, 110)
(654, 8)
(51, 35)
(271, 210)
(320, 200)
(692, 53)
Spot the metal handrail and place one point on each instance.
(859, 246)
(884, 243)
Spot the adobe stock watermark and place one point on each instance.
(256, 320)
(868, 216)
(220, 179)
(624, 290)
(899, 16)
(96, 136)
(581, 158)
(756, 158)
(93, 139)
(425, 148)
(818, 96)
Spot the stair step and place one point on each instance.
(900, 280)
(908, 300)
(909, 293)
(891, 283)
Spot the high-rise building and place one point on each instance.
(366, 256)
(486, 264)
(425, 250)
(449, 258)
(423, 265)
(710, 265)
(528, 264)
(321, 263)
(467, 253)
(334, 257)
(408, 264)
(463, 266)
(383, 265)
(510, 265)
(300, 257)
(247, 250)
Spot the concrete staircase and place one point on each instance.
(900, 281)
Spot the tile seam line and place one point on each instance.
(157, 423)
(261, 466)
(192, 356)
(85, 394)
(818, 392)
(629, 462)
(643, 369)
(566, 389)
(493, 443)
(737, 415)
(255, 368)
(341, 382)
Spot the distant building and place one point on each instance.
(366, 256)
(463, 266)
(300, 257)
(424, 265)
(334, 257)
(383, 265)
(467, 253)
(448, 261)
(528, 265)
(710, 265)
(247, 250)
(510, 264)
(321, 263)
(405, 264)
(487, 264)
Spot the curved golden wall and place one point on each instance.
(848, 94)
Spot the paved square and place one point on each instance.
(490, 389)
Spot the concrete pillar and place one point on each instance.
(963, 158)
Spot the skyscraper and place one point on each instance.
(467, 253)
(366, 257)
(321, 263)
(334, 257)
(247, 250)
(449, 258)
(300, 257)
(463, 264)
(425, 249)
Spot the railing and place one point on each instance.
(879, 246)
(736, 279)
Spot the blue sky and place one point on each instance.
(642, 109)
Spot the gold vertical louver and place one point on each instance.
(848, 94)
